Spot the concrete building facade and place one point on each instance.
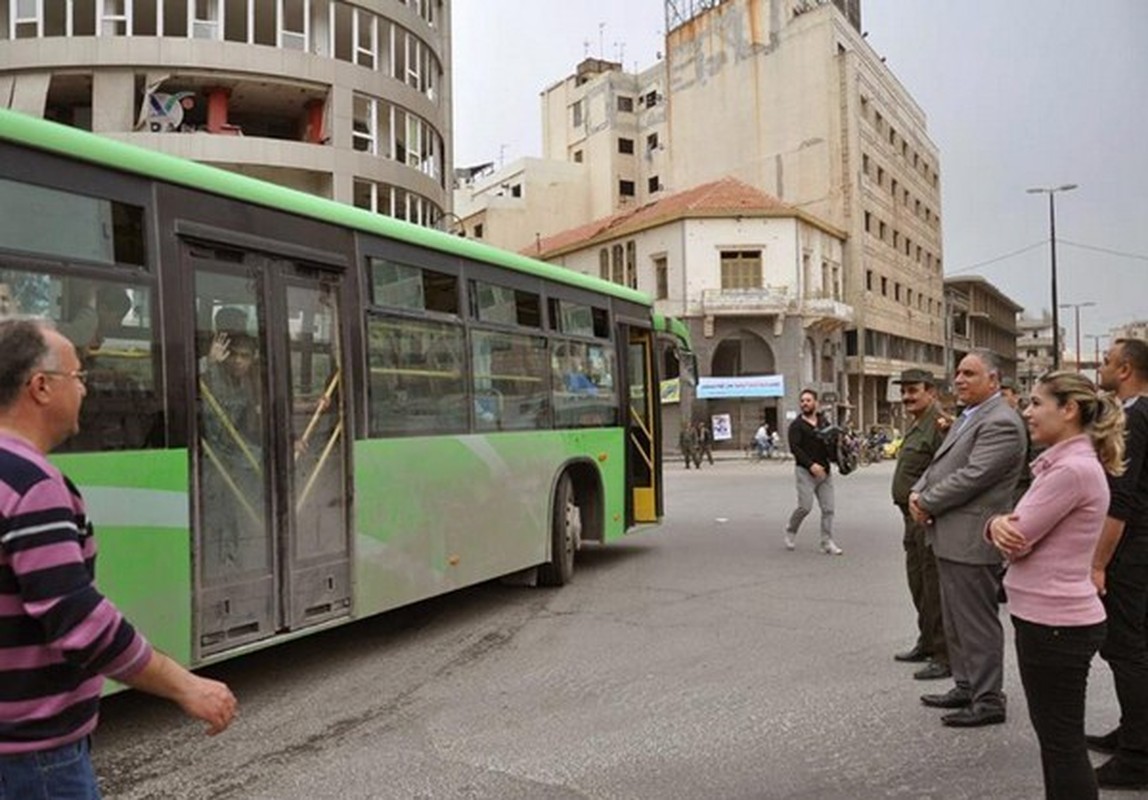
(758, 282)
(349, 101)
(980, 316)
(1034, 349)
(787, 96)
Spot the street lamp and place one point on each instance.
(1096, 337)
(1051, 192)
(1077, 306)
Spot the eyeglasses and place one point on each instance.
(79, 374)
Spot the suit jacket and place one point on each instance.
(971, 478)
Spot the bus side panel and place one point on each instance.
(437, 514)
(138, 503)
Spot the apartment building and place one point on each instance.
(789, 97)
(758, 281)
(1034, 349)
(982, 317)
(342, 100)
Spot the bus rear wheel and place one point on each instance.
(565, 535)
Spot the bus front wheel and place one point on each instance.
(565, 535)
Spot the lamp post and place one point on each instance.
(1096, 337)
(1051, 192)
(1076, 322)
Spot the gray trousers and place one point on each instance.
(973, 629)
(807, 487)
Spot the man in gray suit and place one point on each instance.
(971, 478)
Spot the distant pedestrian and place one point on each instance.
(810, 442)
(1049, 540)
(705, 439)
(688, 444)
(922, 439)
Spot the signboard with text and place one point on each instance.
(741, 386)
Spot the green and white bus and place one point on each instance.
(300, 413)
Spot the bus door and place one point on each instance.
(643, 477)
(270, 455)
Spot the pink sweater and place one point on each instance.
(1061, 515)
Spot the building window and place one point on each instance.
(617, 265)
(661, 279)
(897, 292)
(626, 188)
(625, 104)
(604, 264)
(881, 177)
(516, 190)
(653, 185)
(652, 142)
(884, 286)
(478, 231)
(882, 231)
(865, 164)
(868, 221)
(740, 269)
(651, 99)
(632, 264)
(577, 114)
(868, 280)
(626, 146)
(577, 156)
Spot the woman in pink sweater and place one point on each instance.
(1048, 540)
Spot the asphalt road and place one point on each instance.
(697, 660)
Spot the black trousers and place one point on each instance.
(1053, 663)
(1126, 651)
(925, 589)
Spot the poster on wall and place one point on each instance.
(722, 428)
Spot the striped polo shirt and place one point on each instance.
(59, 636)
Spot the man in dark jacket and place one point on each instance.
(1120, 572)
(922, 439)
(809, 442)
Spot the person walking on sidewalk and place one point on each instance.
(809, 441)
(922, 439)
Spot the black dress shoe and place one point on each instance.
(918, 653)
(954, 698)
(932, 671)
(1118, 774)
(1108, 743)
(974, 717)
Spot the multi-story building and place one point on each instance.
(980, 316)
(758, 281)
(1131, 330)
(342, 100)
(1034, 349)
(787, 96)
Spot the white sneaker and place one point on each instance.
(789, 543)
(830, 548)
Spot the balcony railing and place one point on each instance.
(747, 302)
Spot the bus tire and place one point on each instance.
(565, 535)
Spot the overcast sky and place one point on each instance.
(1018, 94)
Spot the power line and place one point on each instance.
(998, 258)
(1104, 250)
(1041, 243)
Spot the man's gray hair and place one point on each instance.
(990, 359)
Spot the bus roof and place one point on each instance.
(74, 143)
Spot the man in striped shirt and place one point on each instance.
(59, 637)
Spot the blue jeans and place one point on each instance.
(1053, 664)
(62, 773)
